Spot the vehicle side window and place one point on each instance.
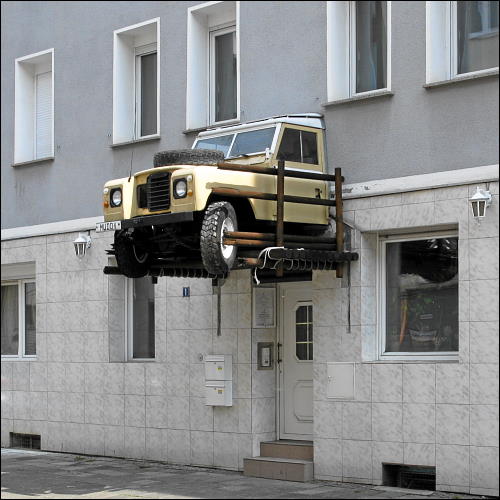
(299, 146)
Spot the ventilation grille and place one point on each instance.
(158, 192)
(413, 477)
(29, 441)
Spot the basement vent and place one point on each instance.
(29, 441)
(414, 477)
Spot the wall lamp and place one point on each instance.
(81, 244)
(480, 201)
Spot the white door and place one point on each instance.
(296, 367)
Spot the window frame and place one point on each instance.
(383, 240)
(453, 63)
(129, 324)
(213, 33)
(21, 303)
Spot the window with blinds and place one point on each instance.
(43, 115)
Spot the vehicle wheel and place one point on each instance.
(133, 261)
(187, 157)
(217, 257)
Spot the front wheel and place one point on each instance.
(219, 218)
(131, 256)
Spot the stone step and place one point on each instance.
(286, 469)
(298, 450)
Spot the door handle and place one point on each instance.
(279, 360)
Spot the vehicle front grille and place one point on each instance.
(158, 192)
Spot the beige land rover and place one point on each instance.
(169, 216)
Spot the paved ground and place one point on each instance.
(30, 474)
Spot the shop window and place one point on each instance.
(358, 46)
(304, 333)
(419, 296)
(140, 318)
(18, 318)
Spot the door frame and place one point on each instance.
(281, 289)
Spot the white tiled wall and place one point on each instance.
(420, 413)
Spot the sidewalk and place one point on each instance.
(30, 474)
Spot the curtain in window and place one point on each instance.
(148, 94)
(30, 319)
(371, 46)
(225, 77)
(477, 36)
(10, 320)
(144, 319)
(43, 115)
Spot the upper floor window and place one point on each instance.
(419, 296)
(34, 107)
(19, 318)
(212, 94)
(136, 79)
(462, 39)
(358, 48)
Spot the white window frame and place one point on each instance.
(20, 283)
(341, 52)
(126, 122)
(129, 324)
(381, 300)
(202, 20)
(143, 50)
(212, 35)
(25, 147)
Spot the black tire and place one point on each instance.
(217, 258)
(132, 261)
(187, 157)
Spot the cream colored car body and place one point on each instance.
(201, 180)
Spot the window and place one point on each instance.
(419, 296)
(299, 146)
(304, 333)
(136, 81)
(19, 318)
(140, 318)
(34, 107)
(358, 48)
(212, 94)
(462, 39)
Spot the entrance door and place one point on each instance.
(296, 368)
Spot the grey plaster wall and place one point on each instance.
(283, 70)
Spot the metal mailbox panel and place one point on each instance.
(218, 367)
(219, 393)
(340, 380)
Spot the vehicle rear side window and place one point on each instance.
(299, 146)
(254, 141)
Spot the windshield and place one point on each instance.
(245, 143)
(216, 143)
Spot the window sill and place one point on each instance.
(46, 159)
(465, 78)
(361, 97)
(155, 137)
(18, 358)
(411, 360)
(194, 130)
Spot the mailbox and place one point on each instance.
(218, 380)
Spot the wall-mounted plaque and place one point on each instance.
(264, 307)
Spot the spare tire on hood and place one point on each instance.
(187, 157)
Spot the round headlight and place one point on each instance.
(181, 188)
(116, 197)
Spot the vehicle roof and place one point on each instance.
(314, 120)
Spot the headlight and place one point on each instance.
(180, 188)
(116, 197)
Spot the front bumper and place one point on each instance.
(156, 220)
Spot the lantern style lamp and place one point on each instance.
(480, 200)
(81, 244)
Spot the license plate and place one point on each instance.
(108, 226)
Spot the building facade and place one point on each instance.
(101, 364)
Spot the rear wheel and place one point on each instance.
(131, 255)
(219, 218)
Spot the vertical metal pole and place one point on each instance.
(219, 307)
(339, 218)
(280, 208)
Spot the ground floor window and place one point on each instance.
(419, 295)
(18, 318)
(140, 318)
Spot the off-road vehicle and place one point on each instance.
(169, 216)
